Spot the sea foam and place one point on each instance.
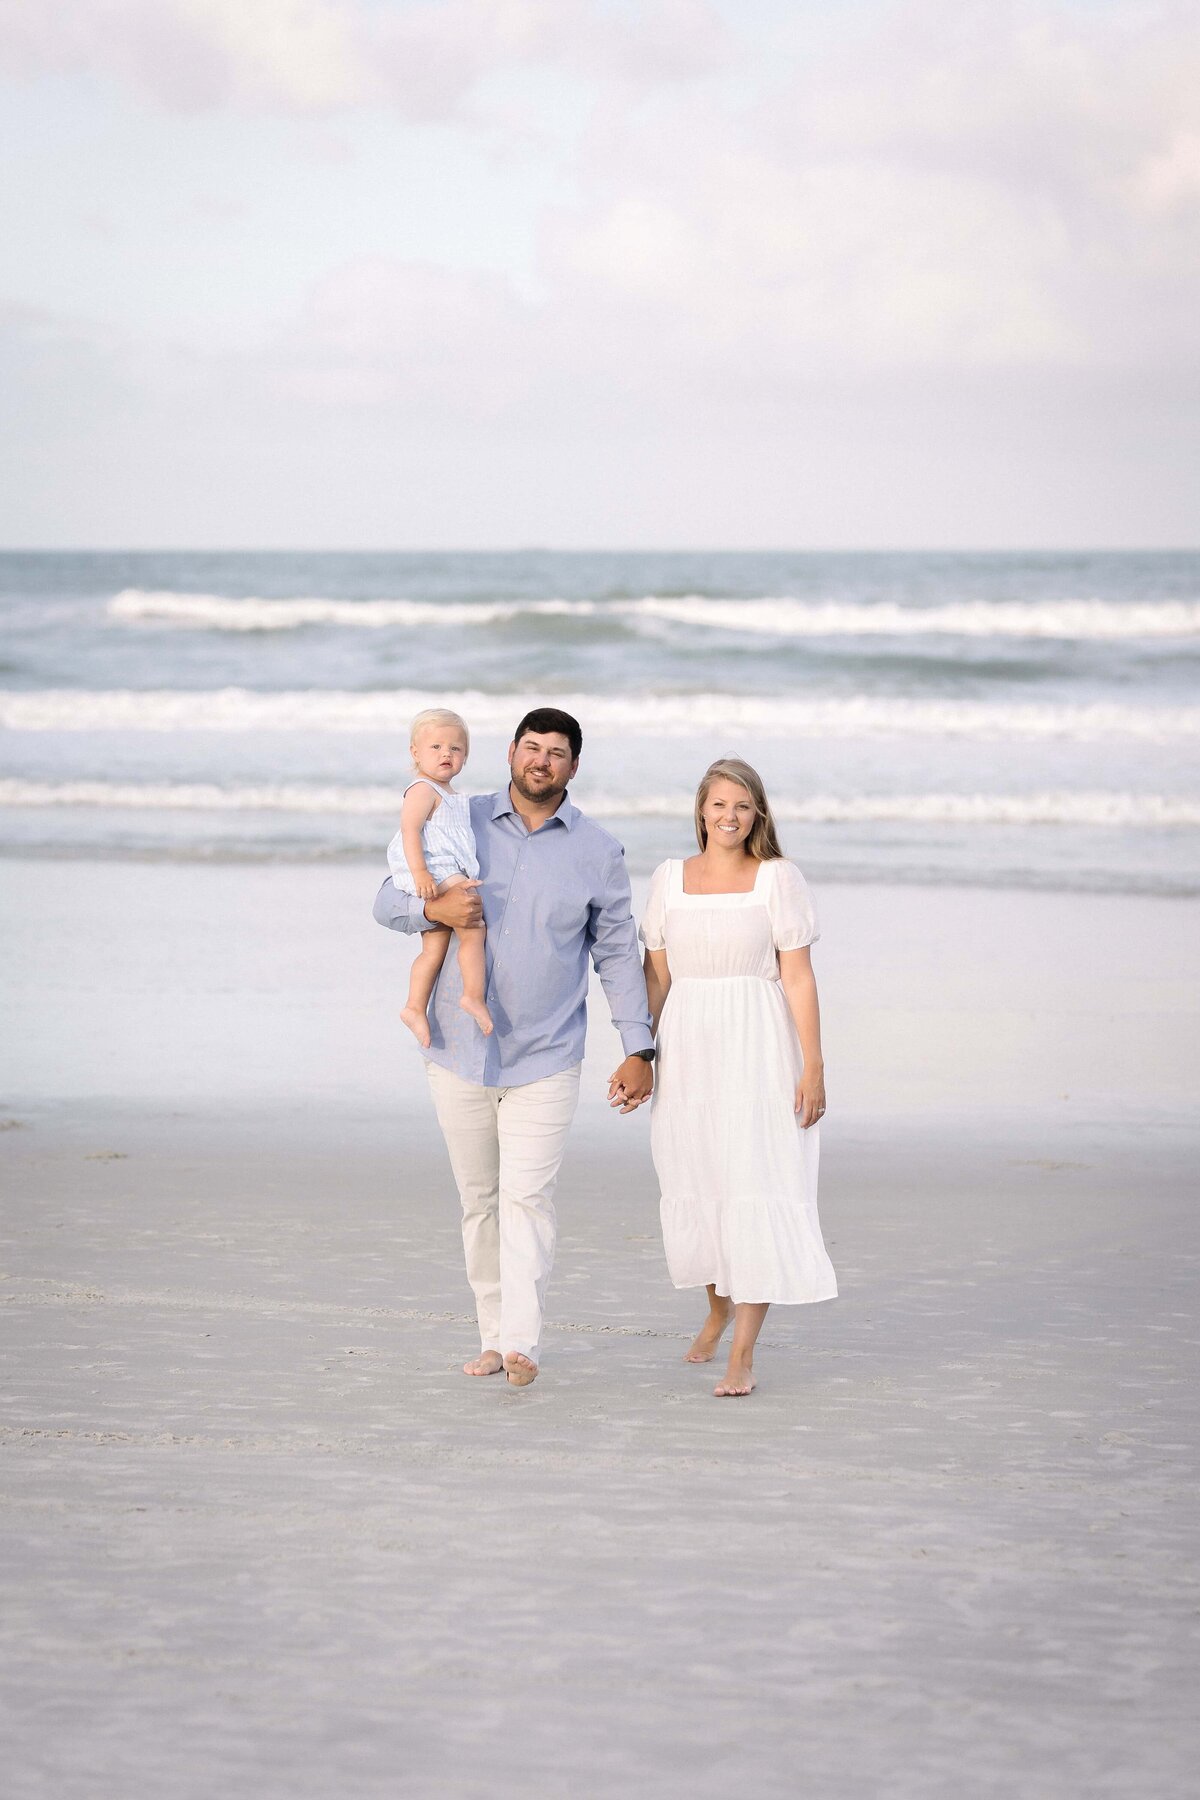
(213, 612)
(1100, 620)
(1117, 810)
(389, 711)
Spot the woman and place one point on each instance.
(740, 1080)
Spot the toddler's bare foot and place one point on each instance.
(488, 1362)
(479, 1013)
(519, 1369)
(417, 1023)
(704, 1344)
(739, 1379)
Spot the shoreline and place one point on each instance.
(1045, 882)
(268, 983)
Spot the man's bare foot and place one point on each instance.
(488, 1362)
(739, 1379)
(417, 1023)
(519, 1369)
(479, 1013)
(704, 1344)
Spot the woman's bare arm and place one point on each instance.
(800, 991)
(658, 982)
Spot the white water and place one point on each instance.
(1093, 809)
(672, 715)
(1098, 620)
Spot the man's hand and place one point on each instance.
(459, 907)
(632, 1084)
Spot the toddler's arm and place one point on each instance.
(415, 809)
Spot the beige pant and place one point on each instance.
(505, 1147)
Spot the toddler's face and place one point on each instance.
(439, 752)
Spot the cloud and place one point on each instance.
(1168, 179)
(968, 214)
(947, 202)
(417, 341)
(837, 263)
(321, 56)
(959, 186)
(996, 186)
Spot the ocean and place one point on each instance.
(1007, 719)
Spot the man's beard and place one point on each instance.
(538, 796)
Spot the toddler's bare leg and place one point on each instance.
(472, 960)
(434, 944)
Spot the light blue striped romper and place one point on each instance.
(447, 839)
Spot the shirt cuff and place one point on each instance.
(400, 911)
(636, 1037)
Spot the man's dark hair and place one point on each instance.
(548, 718)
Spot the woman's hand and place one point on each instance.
(810, 1096)
(425, 885)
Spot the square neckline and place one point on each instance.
(725, 894)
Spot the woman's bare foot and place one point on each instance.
(417, 1023)
(519, 1369)
(488, 1362)
(739, 1379)
(479, 1013)
(704, 1344)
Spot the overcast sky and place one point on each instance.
(580, 272)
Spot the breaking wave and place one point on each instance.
(211, 612)
(1117, 810)
(389, 711)
(1099, 620)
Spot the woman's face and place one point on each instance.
(728, 813)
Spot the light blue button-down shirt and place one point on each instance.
(550, 898)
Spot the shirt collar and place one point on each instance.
(565, 816)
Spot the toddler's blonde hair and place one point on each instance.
(437, 715)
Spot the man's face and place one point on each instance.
(541, 765)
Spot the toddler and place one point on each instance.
(434, 850)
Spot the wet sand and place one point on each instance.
(261, 1537)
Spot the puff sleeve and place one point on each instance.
(652, 930)
(790, 904)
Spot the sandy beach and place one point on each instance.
(263, 1539)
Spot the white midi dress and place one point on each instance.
(738, 1176)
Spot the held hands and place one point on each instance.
(631, 1085)
(459, 907)
(810, 1096)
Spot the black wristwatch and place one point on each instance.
(646, 1055)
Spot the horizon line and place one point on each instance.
(533, 549)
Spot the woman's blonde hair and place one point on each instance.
(763, 842)
(438, 715)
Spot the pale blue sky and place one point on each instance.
(480, 272)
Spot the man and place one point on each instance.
(552, 888)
